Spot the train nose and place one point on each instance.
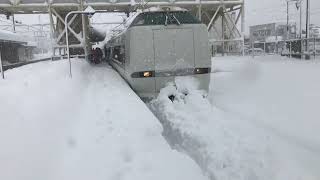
(174, 52)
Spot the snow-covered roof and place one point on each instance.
(129, 20)
(152, 9)
(12, 37)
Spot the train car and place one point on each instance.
(160, 44)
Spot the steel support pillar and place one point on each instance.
(78, 26)
(223, 27)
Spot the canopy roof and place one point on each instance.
(7, 36)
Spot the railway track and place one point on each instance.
(15, 65)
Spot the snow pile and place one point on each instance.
(226, 148)
(89, 127)
(10, 36)
(279, 96)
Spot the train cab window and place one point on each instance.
(150, 18)
(164, 18)
(185, 17)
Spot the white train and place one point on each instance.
(158, 45)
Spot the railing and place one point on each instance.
(296, 48)
(227, 47)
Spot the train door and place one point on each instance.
(174, 52)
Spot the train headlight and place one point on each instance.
(143, 74)
(202, 70)
(147, 74)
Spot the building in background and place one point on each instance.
(272, 31)
(270, 37)
(314, 31)
(14, 48)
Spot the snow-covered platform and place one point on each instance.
(89, 127)
(259, 122)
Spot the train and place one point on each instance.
(158, 45)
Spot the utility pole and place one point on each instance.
(287, 19)
(307, 28)
(243, 26)
(300, 27)
(200, 11)
(13, 24)
(300, 6)
(1, 66)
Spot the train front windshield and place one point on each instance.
(165, 18)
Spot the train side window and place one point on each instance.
(118, 54)
(107, 53)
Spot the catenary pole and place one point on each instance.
(307, 25)
(1, 66)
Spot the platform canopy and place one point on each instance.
(41, 6)
(7, 36)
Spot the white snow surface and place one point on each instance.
(225, 147)
(10, 36)
(92, 126)
(280, 96)
(259, 122)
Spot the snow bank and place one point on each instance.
(10, 36)
(89, 127)
(280, 96)
(260, 120)
(225, 147)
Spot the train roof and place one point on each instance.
(139, 11)
(153, 9)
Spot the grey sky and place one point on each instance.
(267, 11)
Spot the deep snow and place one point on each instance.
(89, 127)
(280, 96)
(259, 121)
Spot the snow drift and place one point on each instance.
(259, 121)
(222, 145)
(89, 127)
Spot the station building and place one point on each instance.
(276, 31)
(270, 37)
(15, 48)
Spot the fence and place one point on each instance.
(297, 48)
(227, 47)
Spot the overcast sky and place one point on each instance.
(257, 12)
(267, 11)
